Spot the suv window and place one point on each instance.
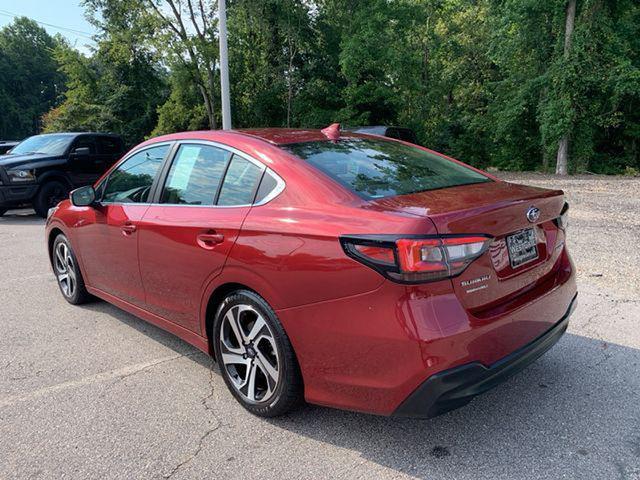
(240, 182)
(195, 175)
(132, 180)
(109, 145)
(403, 134)
(378, 168)
(85, 141)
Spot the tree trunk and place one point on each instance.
(289, 88)
(568, 29)
(563, 146)
(563, 156)
(212, 97)
(207, 105)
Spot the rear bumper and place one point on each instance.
(455, 387)
(13, 196)
(371, 352)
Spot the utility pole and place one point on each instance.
(224, 66)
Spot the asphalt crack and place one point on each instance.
(203, 438)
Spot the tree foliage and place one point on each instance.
(30, 83)
(118, 88)
(493, 82)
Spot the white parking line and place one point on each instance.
(98, 377)
(32, 277)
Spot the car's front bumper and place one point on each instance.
(455, 387)
(16, 195)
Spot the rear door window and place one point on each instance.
(195, 175)
(377, 168)
(85, 141)
(109, 146)
(268, 185)
(240, 182)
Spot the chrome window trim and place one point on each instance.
(277, 190)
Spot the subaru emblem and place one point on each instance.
(533, 214)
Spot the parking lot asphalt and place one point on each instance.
(93, 392)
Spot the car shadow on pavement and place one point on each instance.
(155, 333)
(574, 413)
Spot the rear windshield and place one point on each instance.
(377, 168)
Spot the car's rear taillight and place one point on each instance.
(411, 259)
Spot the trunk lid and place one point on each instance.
(498, 209)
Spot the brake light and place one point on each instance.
(380, 254)
(416, 260)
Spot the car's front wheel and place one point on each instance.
(49, 195)
(68, 275)
(255, 356)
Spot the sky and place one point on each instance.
(62, 16)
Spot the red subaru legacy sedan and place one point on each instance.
(353, 271)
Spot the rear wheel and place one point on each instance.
(65, 266)
(49, 195)
(255, 356)
(3, 211)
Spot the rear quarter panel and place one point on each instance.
(293, 251)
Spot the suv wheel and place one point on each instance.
(255, 356)
(65, 266)
(49, 195)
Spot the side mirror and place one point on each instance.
(81, 152)
(83, 196)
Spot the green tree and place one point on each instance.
(30, 83)
(184, 36)
(518, 84)
(184, 109)
(117, 89)
(269, 47)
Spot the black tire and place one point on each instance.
(74, 290)
(49, 195)
(3, 211)
(287, 392)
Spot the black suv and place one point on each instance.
(6, 145)
(399, 133)
(43, 169)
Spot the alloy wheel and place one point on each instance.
(65, 269)
(249, 353)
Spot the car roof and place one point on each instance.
(77, 134)
(283, 136)
(274, 136)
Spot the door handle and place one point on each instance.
(128, 229)
(209, 240)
